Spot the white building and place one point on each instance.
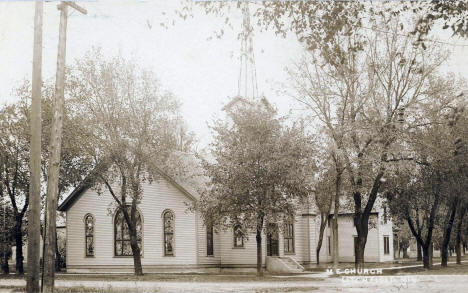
(174, 238)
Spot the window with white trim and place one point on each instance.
(289, 237)
(168, 219)
(386, 244)
(122, 245)
(209, 240)
(89, 234)
(238, 236)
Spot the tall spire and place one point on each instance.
(247, 83)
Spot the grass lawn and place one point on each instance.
(187, 277)
(194, 279)
(370, 265)
(233, 278)
(78, 289)
(396, 263)
(82, 289)
(451, 269)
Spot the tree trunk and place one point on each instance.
(419, 251)
(5, 267)
(19, 246)
(427, 256)
(323, 225)
(134, 239)
(258, 238)
(405, 252)
(458, 244)
(336, 209)
(58, 258)
(425, 251)
(431, 255)
(444, 254)
(447, 233)
(360, 246)
(136, 252)
(359, 257)
(398, 250)
(335, 245)
(361, 217)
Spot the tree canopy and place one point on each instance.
(260, 170)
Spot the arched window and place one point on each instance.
(89, 234)
(168, 218)
(238, 236)
(122, 234)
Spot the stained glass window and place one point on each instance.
(122, 234)
(89, 235)
(168, 218)
(238, 236)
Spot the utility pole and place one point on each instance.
(34, 215)
(6, 270)
(55, 150)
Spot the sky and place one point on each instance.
(202, 73)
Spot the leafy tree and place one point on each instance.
(404, 236)
(452, 13)
(130, 125)
(259, 171)
(358, 96)
(7, 225)
(14, 139)
(310, 21)
(324, 201)
(460, 232)
(428, 177)
(321, 25)
(456, 185)
(14, 174)
(417, 201)
(14, 171)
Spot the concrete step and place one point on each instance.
(284, 264)
(292, 264)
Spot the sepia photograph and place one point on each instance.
(233, 146)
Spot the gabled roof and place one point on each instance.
(89, 181)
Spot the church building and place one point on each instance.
(174, 238)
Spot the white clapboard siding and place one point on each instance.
(301, 243)
(308, 239)
(203, 258)
(246, 256)
(324, 257)
(158, 196)
(231, 257)
(190, 235)
(385, 229)
(346, 232)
